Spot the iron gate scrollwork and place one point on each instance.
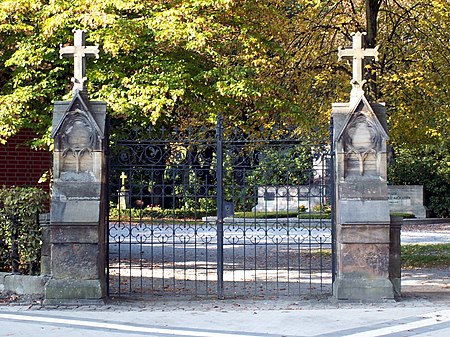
(208, 212)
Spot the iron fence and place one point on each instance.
(226, 213)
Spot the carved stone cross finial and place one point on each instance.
(79, 51)
(357, 53)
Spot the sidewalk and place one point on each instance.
(409, 317)
(424, 310)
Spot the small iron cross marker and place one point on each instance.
(79, 51)
(357, 53)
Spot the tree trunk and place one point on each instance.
(372, 8)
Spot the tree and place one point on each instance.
(258, 62)
(163, 62)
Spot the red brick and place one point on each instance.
(20, 165)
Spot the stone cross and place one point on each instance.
(123, 177)
(357, 53)
(79, 51)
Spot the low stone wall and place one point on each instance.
(23, 284)
(32, 285)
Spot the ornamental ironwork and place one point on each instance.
(216, 212)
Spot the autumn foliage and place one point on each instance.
(257, 62)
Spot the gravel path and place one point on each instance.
(425, 233)
(433, 228)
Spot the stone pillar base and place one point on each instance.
(363, 262)
(73, 292)
(363, 289)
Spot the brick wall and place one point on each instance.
(20, 165)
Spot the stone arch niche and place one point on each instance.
(78, 139)
(363, 143)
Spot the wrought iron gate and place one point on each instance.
(229, 214)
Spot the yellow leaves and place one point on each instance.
(405, 79)
(55, 23)
(237, 89)
(95, 19)
(441, 7)
(15, 8)
(121, 38)
(322, 78)
(87, 13)
(11, 107)
(15, 15)
(183, 25)
(431, 132)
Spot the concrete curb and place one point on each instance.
(23, 284)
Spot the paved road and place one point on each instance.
(412, 237)
(201, 234)
(316, 231)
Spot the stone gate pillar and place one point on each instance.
(362, 210)
(77, 229)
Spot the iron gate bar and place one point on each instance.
(107, 199)
(332, 202)
(220, 213)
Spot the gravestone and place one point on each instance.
(362, 239)
(290, 198)
(124, 194)
(287, 198)
(407, 199)
(77, 229)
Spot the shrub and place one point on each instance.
(155, 212)
(21, 206)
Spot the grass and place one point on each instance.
(413, 256)
(425, 256)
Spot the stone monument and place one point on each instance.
(77, 229)
(288, 198)
(407, 199)
(362, 208)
